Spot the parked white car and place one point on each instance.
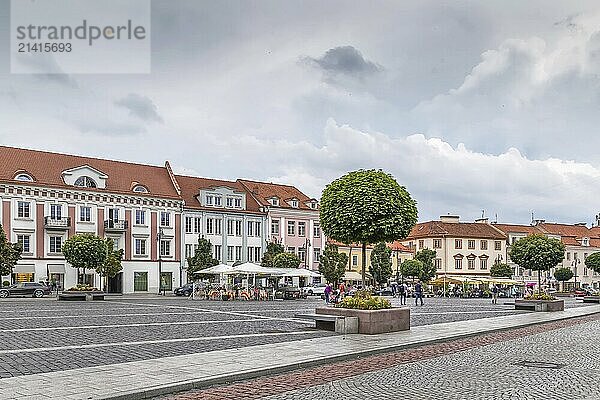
(314, 290)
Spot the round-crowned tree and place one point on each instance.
(366, 206)
(538, 253)
(286, 260)
(593, 262)
(411, 268)
(501, 270)
(86, 251)
(563, 275)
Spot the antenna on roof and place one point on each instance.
(532, 218)
(496, 219)
(482, 213)
(598, 219)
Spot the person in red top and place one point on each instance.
(342, 289)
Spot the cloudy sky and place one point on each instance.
(486, 105)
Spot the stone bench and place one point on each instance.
(591, 299)
(540, 305)
(80, 296)
(336, 323)
(373, 322)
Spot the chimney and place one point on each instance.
(450, 219)
(482, 221)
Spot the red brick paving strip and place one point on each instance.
(276, 384)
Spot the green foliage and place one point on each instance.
(563, 274)
(82, 288)
(10, 253)
(411, 268)
(366, 206)
(286, 260)
(426, 256)
(273, 248)
(361, 303)
(333, 263)
(85, 250)
(501, 270)
(112, 264)
(381, 263)
(539, 296)
(593, 262)
(202, 258)
(538, 253)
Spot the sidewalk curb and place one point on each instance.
(202, 383)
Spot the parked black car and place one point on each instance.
(25, 289)
(185, 290)
(387, 291)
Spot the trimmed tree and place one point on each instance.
(593, 262)
(538, 253)
(426, 256)
(411, 268)
(85, 251)
(202, 258)
(563, 275)
(332, 264)
(501, 270)
(286, 260)
(10, 253)
(273, 249)
(366, 206)
(381, 263)
(112, 264)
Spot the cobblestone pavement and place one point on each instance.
(45, 335)
(557, 360)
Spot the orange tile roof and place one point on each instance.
(514, 228)
(454, 229)
(397, 246)
(191, 186)
(578, 231)
(263, 191)
(47, 168)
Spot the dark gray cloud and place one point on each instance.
(141, 107)
(345, 60)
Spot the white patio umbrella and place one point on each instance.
(299, 272)
(249, 268)
(216, 270)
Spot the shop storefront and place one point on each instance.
(23, 273)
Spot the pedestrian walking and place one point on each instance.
(418, 293)
(495, 294)
(327, 293)
(342, 289)
(402, 289)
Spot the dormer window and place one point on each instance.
(140, 189)
(274, 201)
(294, 203)
(85, 181)
(23, 177)
(585, 241)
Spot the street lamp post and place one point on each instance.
(159, 237)
(574, 264)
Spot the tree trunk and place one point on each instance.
(540, 282)
(364, 264)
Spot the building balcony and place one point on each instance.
(115, 226)
(57, 223)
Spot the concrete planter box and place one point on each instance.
(81, 296)
(371, 322)
(540, 305)
(591, 299)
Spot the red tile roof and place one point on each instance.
(263, 191)
(397, 246)
(47, 169)
(454, 229)
(514, 228)
(191, 186)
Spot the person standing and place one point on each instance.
(402, 289)
(327, 293)
(495, 294)
(418, 293)
(342, 289)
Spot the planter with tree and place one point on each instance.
(84, 251)
(593, 263)
(538, 253)
(563, 275)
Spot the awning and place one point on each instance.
(56, 268)
(24, 269)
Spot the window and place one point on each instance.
(250, 228)
(585, 241)
(257, 228)
(188, 224)
(238, 203)
(316, 254)
(250, 254)
(471, 244)
(140, 247)
(257, 255)
(230, 227)
(483, 263)
(85, 214)
(238, 228)
(484, 244)
(140, 189)
(229, 202)
(218, 200)
(165, 218)
(302, 254)
(197, 225)
(437, 243)
(294, 203)
(585, 271)
(218, 227)
(471, 263)
(437, 263)
(317, 231)
(209, 200)
(85, 181)
(23, 210)
(55, 211)
(585, 256)
(498, 245)
(189, 249)
(291, 228)
(274, 201)
(354, 260)
(23, 178)
(238, 253)
(140, 217)
(291, 250)
(165, 248)
(140, 281)
(302, 229)
(230, 253)
(218, 254)
(23, 240)
(421, 244)
(210, 226)
(568, 256)
(115, 243)
(458, 263)
(55, 244)
(458, 243)
(275, 227)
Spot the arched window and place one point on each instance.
(85, 181)
(140, 189)
(23, 177)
